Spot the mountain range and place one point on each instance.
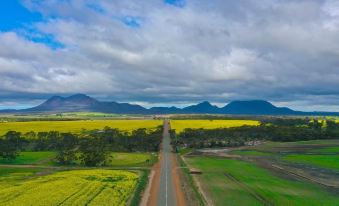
(84, 103)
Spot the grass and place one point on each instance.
(136, 199)
(117, 159)
(327, 150)
(323, 161)
(31, 158)
(76, 126)
(250, 153)
(251, 185)
(132, 159)
(180, 125)
(77, 187)
(311, 142)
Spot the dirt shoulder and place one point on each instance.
(150, 195)
(177, 183)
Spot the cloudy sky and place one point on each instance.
(171, 52)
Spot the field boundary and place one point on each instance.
(194, 183)
(139, 190)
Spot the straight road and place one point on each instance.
(164, 187)
(166, 194)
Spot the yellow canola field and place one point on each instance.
(77, 187)
(76, 126)
(180, 125)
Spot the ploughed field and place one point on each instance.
(31, 186)
(77, 126)
(295, 173)
(180, 125)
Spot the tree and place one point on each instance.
(10, 145)
(67, 149)
(93, 151)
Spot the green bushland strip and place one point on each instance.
(323, 161)
(77, 187)
(76, 126)
(260, 181)
(143, 180)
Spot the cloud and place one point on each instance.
(163, 52)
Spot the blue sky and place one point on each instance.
(15, 16)
(171, 52)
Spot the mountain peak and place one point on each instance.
(82, 102)
(254, 107)
(203, 107)
(79, 97)
(205, 103)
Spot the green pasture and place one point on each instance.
(237, 182)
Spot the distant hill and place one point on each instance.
(255, 107)
(84, 103)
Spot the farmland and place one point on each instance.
(32, 158)
(273, 173)
(76, 126)
(77, 187)
(115, 159)
(180, 125)
(241, 183)
(51, 167)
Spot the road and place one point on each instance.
(164, 188)
(166, 194)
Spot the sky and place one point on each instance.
(171, 52)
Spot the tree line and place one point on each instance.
(276, 130)
(91, 148)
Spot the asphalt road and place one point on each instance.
(166, 193)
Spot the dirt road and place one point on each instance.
(165, 185)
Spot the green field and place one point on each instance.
(251, 153)
(77, 187)
(76, 126)
(323, 161)
(42, 158)
(132, 159)
(180, 125)
(237, 182)
(327, 150)
(116, 159)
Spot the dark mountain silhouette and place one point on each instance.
(255, 107)
(164, 110)
(77, 102)
(84, 103)
(203, 107)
